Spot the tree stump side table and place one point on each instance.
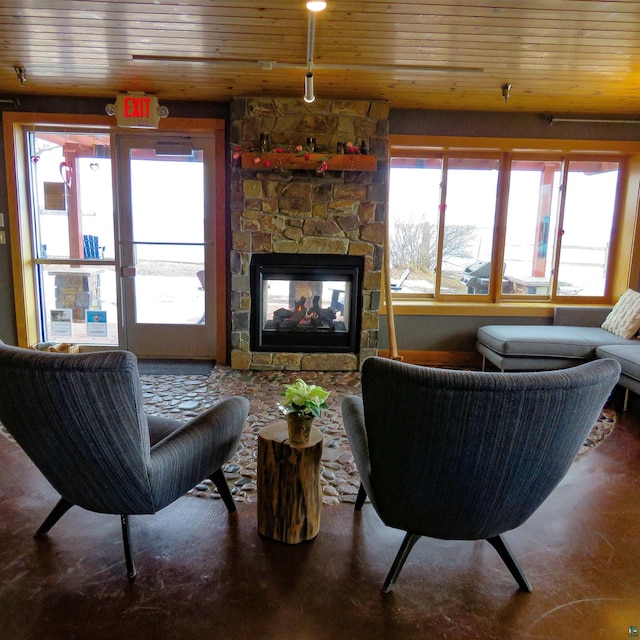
(289, 492)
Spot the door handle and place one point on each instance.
(128, 272)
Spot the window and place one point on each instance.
(587, 223)
(541, 226)
(73, 236)
(534, 187)
(414, 201)
(468, 211)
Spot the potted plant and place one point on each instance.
(302, 403)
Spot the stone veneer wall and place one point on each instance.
(298, 211)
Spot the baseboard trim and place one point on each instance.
(462, 359)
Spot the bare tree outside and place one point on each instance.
(413, 244)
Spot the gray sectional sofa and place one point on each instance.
(574, 337)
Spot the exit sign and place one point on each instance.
(137, 110)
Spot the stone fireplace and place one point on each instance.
(310, 220)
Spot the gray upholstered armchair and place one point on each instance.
(80, 418)
(467, 455)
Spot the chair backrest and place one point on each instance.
(470, 455)
(80, 419)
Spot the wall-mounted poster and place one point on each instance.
(96, 323)
(61, 322)
(54, 196)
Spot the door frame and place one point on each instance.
(15, 125)
(160, 340)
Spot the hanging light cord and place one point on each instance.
(309, 95)
(311, 34)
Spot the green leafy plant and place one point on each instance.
(303, 398)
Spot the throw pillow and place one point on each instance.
(624, 318)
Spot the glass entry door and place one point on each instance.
(166, 240)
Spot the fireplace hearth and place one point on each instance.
(306, 303)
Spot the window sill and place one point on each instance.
(497, 309)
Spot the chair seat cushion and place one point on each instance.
(546, 340)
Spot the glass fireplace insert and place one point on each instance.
(306, 302)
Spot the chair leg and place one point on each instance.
(223, 488)
(362, 496)
(131, 568)
(403, 553)
(500, 545)
(58, 511)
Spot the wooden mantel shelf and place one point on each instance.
(274, 161)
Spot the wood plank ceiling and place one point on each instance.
(578, 56)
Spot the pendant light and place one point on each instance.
(313, 7)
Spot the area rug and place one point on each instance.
(150, 367)
(604, 426)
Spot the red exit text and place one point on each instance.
(136, 107)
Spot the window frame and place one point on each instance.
(14, 127)
(622, 262)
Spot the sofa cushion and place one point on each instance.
(546, 340)
(627, 355)
(624, 319)
(580, 316)
(526, 363)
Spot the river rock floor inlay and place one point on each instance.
(185, 397)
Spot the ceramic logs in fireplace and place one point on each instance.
(306, 302)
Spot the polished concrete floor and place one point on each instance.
(203, 573)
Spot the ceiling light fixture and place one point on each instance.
(309, 95)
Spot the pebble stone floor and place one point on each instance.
(185, 397)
